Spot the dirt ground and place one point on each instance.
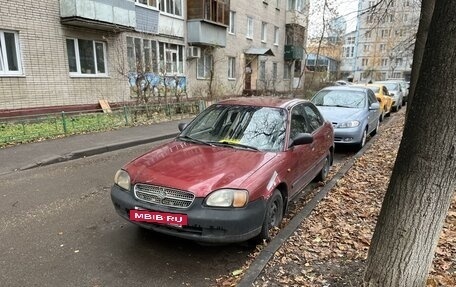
(330, 246)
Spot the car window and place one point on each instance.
(314, 117)
(385, 91)
(340, 98)
(263, 128)
(372, 98)
(298, 123)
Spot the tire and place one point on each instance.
(273, 216)
(382, 116)
(361, 144)
(374, 132)
(394, 109)
(321, 176)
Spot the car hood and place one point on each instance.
(197, 168)
(337, 114)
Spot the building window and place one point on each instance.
(264, 31)
(86, 57)
(249, 34)
(382, 47)
(286, 71)
(368, 34)
(274, 71)
(151, 3)
(173, 7)
(262, 70)
(351, 40)
(366, 48)
(10, 62)
(205, 65)
(231, 68)
(232, 28)
(296, 5)
(365, 62)
(385, 33)
(276, 35)
(150, 56)
(384, 62)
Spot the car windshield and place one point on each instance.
(340, 98)
(391, 86)
(246, 127)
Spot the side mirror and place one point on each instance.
(181, 126)
(374, 106)
(301, 139)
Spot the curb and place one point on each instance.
(257, 266)
(96, 150)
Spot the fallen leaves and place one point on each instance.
(330, 246)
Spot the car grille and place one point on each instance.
(163, 196)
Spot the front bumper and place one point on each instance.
(205, 224)
(348, 135)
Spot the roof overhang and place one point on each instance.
(259, 51)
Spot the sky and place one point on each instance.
(346, 8)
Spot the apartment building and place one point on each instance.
(69, 54)
(385, 39)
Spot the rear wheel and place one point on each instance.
(273, 216)
(324, 170)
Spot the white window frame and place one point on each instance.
(166, 8)
(4, 67)
(208, 63)
(264, 32)
(249, 34)
(148, 4)
(276, 35)
(231, 68)
(78, 72)
(232, 27)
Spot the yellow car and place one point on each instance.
(383, 97)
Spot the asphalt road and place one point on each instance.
(58, 228)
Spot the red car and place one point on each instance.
(231, 172)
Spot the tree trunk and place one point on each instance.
(424, 175)
(427, 8)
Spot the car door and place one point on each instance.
(373, 114)
(319, 146)
(299, 157)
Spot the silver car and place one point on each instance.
(353, 111)
(396, 92)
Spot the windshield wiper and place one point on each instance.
(193, 140)
(338, 106)
(233, 144)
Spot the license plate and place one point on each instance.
(175, 219)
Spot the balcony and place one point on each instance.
(296, 17)
(293, 53)
(205, 33)
(118, 15)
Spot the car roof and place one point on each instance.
(273, 102)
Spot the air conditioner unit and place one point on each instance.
(193, 52)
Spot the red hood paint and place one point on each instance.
(199, 169)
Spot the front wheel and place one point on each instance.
(324, 170)
(361, 144)
(273, 216)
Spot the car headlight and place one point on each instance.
(350, 124)
(122, 179)
(228, 198)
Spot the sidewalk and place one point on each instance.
(26, 156)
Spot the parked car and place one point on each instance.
(383, 97)
(405, 88)
(396, 92)
(354, 112)
(230, 174)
